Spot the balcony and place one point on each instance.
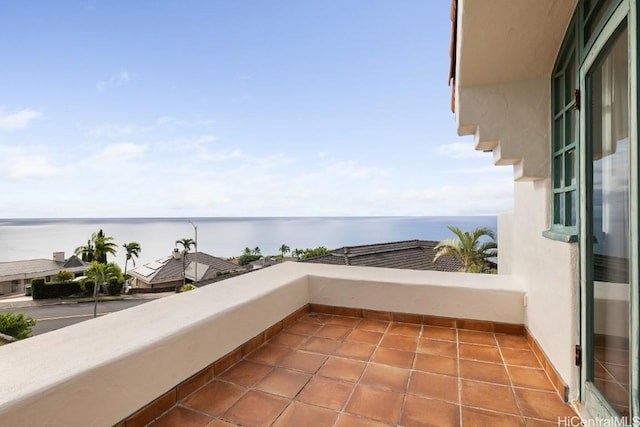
(342, 345)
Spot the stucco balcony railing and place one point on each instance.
(103, 371)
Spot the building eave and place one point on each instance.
(501, 66)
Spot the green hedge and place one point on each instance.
(40, 290)
(114, 287)
(88, 287)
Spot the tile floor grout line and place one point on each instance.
(357, 383)
(293, 400)
(272, 369)
(411, 371)
(511, 386)
(459, 377)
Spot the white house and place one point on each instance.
(167, 272)
(14, 275)
(550, 87)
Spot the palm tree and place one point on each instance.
(100, 273)
(247, 251)
(186, 244)
(468, 249)
(133, 251)
(97, 248)
(284, 249)
(256, 250)
(103, 245)
(85, 252)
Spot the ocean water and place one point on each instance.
(22, 239)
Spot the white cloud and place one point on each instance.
(113, 130)
(220, 156)
(29, 167)
(122, 151)
(478, 198)
(459, 150)
(273, 161)
(162, 124)
(114, 81)
(172, 123)
(502, 170)
(195, 148)
(351, 169)
(19, 164)
(19, 120)
(169, 122)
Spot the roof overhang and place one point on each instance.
(501, 41)
(501, 66)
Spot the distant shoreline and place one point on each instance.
(225, 237)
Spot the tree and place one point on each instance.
(103, 246)
(101, 274)
(247, 251)
(85, 252)
(256, 250)
(64, 276)
(310, 253)
(246, 259)
(133, 251)
(186, 244)
(97, 248)
(297, 253)
(469, 249)
(284, 249)
(16, 325)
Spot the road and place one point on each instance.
(52, 317)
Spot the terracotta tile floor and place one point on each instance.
(339, 371)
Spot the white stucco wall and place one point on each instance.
(548, 270)
(100, 371)
(513, 119)
(458, 295)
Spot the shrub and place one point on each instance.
(114, 287)
(319, 251)
(88, 287)
(41, 290)
(64, 276)
(187, 287)
(16, 325)
(246, 259)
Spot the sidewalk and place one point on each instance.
(20, 301)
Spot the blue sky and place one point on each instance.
(234, 108)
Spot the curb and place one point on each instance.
(23, 304)
(7, 304)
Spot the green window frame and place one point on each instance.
(564, 137)
(588, 21)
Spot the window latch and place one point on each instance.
(576, 100)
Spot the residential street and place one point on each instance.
(52, 317)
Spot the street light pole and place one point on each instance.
(195, 227)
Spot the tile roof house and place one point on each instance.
(167, 272)
(263, 262)
(14, 275)
(409, 254)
